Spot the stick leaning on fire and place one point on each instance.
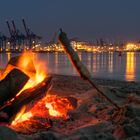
(81, 69)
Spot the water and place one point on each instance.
(101, 65)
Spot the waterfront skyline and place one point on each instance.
(84, 19)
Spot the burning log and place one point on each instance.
(28, 64)
(10, 111)
(81, 69)
(23, 62)
(11, 85)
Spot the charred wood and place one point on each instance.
(11, 85)
(27, 96)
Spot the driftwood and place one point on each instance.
(11, 85)
(73, 56)
(9, 112)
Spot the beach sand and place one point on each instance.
(94, 118)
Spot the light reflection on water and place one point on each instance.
(130, 66)
(101, 65)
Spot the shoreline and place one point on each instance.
(97, 79)
(75, 85)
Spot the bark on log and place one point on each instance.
(10, 111)
(11, 85)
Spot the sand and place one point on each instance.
(94, 118)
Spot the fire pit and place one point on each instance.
(25, 103)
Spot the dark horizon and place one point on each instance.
(85, 19)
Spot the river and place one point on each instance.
(107, 65)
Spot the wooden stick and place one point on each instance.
(81, 69)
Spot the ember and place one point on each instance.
(58, 106)
(51, 106)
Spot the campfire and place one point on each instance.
(25, 101)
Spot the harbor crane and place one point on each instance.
(20, 38)
(30, 36)
(3, 40)
(12, 38)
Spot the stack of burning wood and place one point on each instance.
(13, 80)
(25, 104)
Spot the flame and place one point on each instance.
(21, 116)
(36, 75)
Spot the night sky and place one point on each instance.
(84, 19)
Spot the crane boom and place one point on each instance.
(25, 27)
(14, 27)
(8, 25)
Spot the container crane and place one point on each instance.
(9, 28)
(28, 36)
(12, 37)
(31, 37)
(14, 27)
(3, 40)
(19, 37)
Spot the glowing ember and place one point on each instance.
(50, 106)
(58, 106)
